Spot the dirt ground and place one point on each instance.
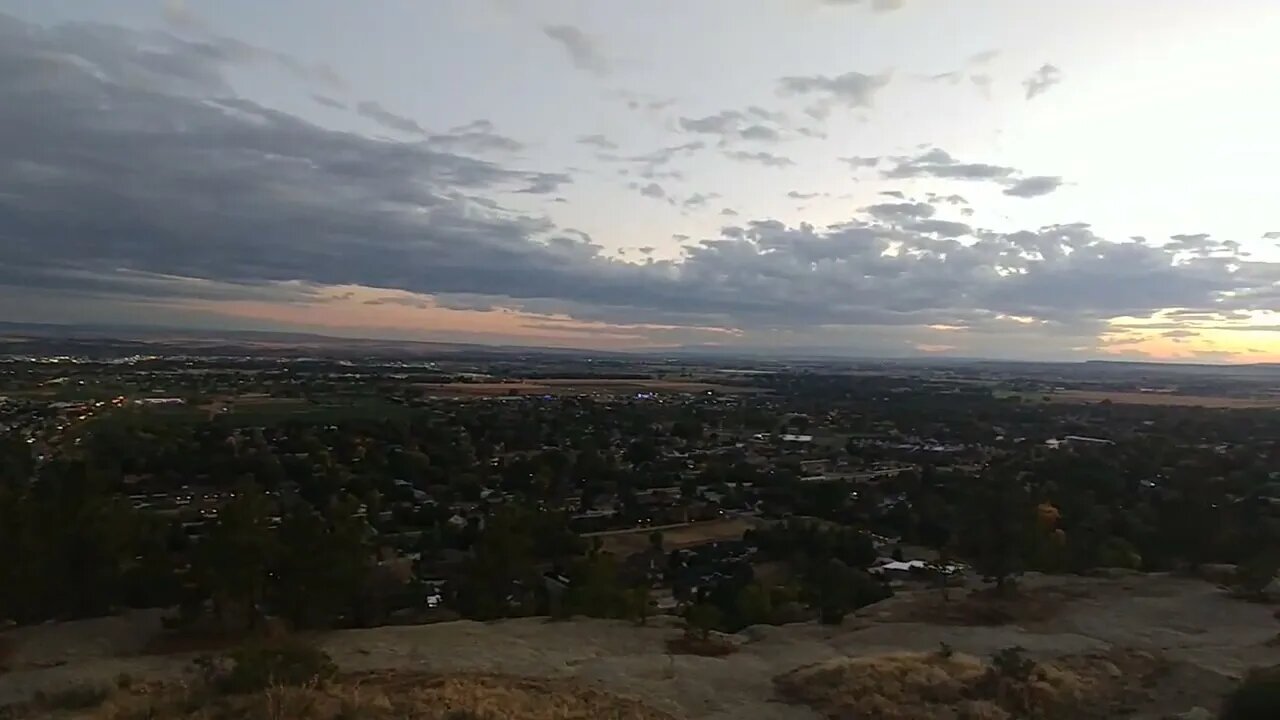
(1204, 638)
(629, 542)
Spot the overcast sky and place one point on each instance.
(992, 178)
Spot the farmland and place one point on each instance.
(1150, 398)
(578, 386)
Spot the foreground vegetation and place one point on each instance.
(293, 682)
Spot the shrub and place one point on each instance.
(701, 619)
(1011, 663)
(1257, 698)
(256, 667)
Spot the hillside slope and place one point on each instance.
(1194, 637)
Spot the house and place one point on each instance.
(1077, 440)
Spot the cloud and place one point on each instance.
(764, 158)
(732, 125)
(880, 6)
(388, 119)
(858, 163)
(723, 122)
(653, 190)
(599, 141)
(1041, 80)
(1273, 235)
(941, 228)
(982, 82)
(896, 212)
(797, 195)
(697, 200)
(761, 133)
(179, 16)
(329, 102)
(654, 164)
(475, 137)
(227, 201)
(402, 300)
(946, 199)
(582, 49)
(1034, 186)
(851, 89)
(729, 212)
(939, 164)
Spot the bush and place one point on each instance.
(1257, 698)
(1012, 664)
(701, 619)
(257, 667)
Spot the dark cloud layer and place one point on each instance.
(118, 181)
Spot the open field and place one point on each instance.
(629, 542)
(1141, 398)
(585, 386)
(255, 409)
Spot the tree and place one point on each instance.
(322, 564)
(996, 527)
(595, 590)
(701, 619)
(836, 589)
(638, 605)
(754, 605)
(232, 563)
(1258, 573)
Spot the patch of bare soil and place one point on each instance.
(369, 696)
(986, 607)
(706, 647)
(954, 686)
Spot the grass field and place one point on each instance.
(1141, 398)
(629, 542)
(586, 386)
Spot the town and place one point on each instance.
(235, 488)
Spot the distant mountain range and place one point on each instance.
(17, 338)
(21, 338)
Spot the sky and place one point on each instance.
(870, 178)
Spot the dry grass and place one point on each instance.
(937, 686)
(1166, 399)
(978, 608)
(375, 696)
(704, 647)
